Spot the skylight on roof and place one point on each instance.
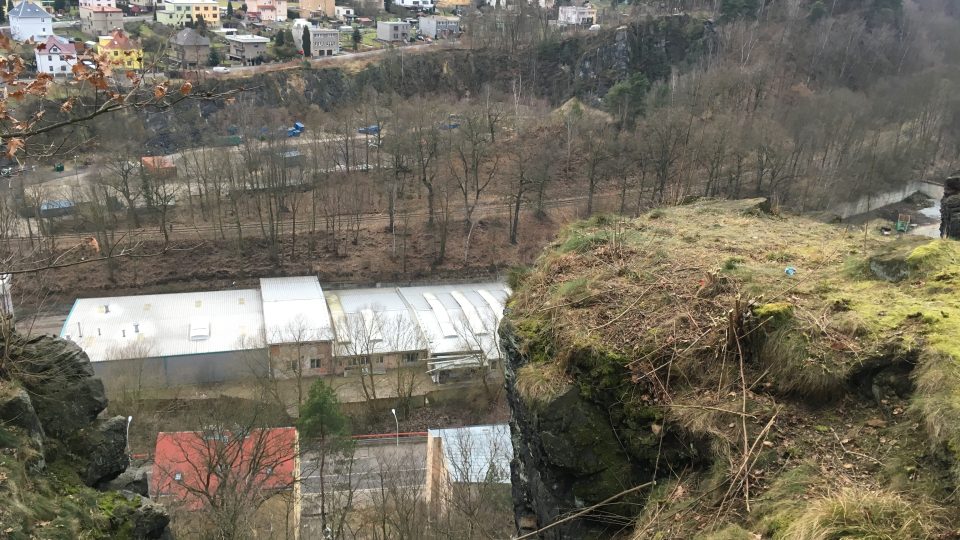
(470, 312)
(443, 318)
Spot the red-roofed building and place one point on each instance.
(121, 50)
(159, 166)
(222, 470)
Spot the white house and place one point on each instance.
(343, 12)
(28, 20)
(421, 5)
(584, 15)
(393, 30)
(57, 57)
(323, 41)
(439, 26)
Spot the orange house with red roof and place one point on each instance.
(259, 468)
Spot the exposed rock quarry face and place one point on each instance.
(950, 209)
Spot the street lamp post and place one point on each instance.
(394, 411)
(129, 420)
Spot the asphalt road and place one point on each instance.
(377, 462)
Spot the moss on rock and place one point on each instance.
(681, 333)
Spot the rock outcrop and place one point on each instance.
(713, 370)
(950, 208)
(133, 479)
(103, 446)
(49, 407)
(59, 378)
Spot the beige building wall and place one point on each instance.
(315, 358)
(327, 7)
(437, 480)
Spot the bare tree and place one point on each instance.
(228, 476)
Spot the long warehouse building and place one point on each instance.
(289, 327)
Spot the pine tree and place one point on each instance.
(356, 38)
(229, 9)
(306, 42)
(279, 39)
(2, 13)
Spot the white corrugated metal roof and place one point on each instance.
(459, 318)
(441, 319)
(373, 321)
(155, 325)
(477, 454)
(295, 310)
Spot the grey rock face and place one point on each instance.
(104, 448)
(16, 410)
(133, 479)
(950, 208)
(59, 378)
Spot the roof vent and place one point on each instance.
(199, 330)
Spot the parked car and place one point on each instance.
(221, 69)
(369, 130)
(345, 28)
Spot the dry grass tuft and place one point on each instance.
(540, 383)
(865, 514)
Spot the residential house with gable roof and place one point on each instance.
(100, 19)
(267, 10)
(56, 56)
(30, 21)
(121, 50)
(190, 48)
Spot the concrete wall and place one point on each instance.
(182, 370)
(877, 200)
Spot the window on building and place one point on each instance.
(178, 476)
(411, 358)
(50, 57)
(379, 359)
(63, 68)
(293, 365)
(51, 68)
(314, 363)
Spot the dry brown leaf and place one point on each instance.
(13, 145)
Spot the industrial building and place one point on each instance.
(466, 457)
(297, 326)
(171, 339)
(289, 327)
